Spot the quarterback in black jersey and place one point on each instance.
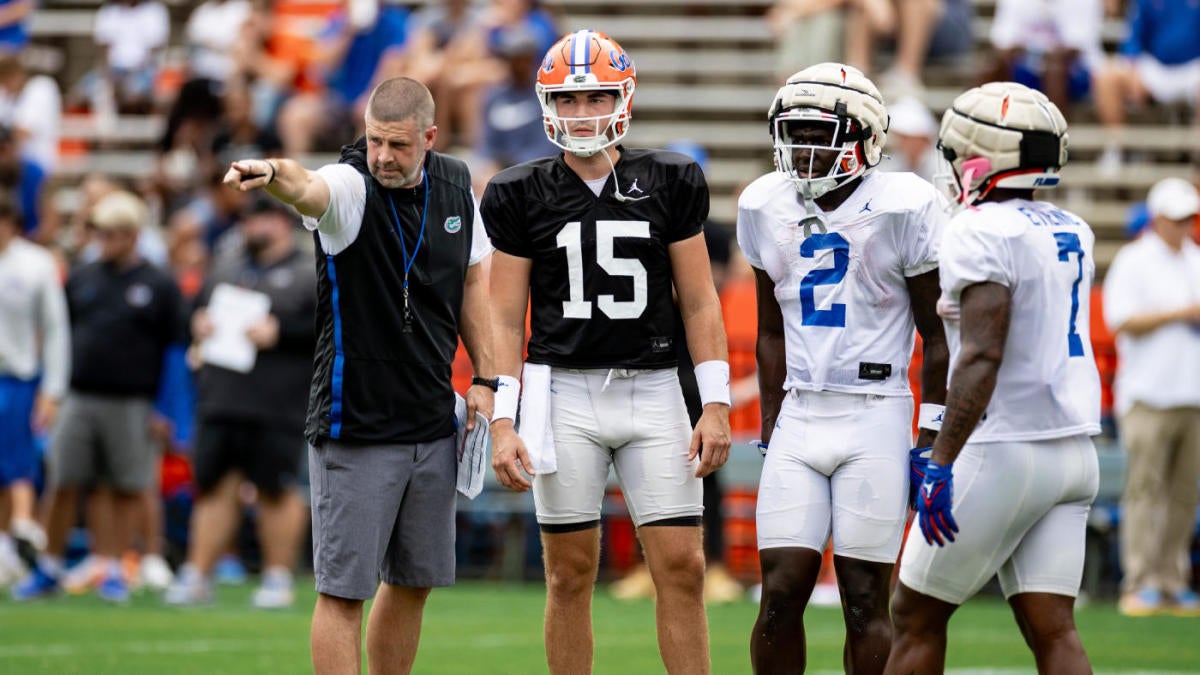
(592, 241)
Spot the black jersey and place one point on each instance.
(600, 280)
(122, 321)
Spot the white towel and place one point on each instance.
(535, 429)
(472, 449)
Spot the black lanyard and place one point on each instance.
(408, 262)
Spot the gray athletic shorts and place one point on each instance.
(103, 439)
(382, 512)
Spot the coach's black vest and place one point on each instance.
(373, 382)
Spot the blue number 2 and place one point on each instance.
(835, 316)
(1068, 243)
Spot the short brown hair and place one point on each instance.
(399, 100)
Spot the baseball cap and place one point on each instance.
(910, 117)
(515, 41)
(1173, 198)
(118, 210)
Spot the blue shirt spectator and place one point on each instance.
(352, 77)
(14, 24)
(512, 119)
(1164, 29)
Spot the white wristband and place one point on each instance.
(507, 396)
(712, 379)
(930, 416)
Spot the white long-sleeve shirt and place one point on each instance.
(33, 314)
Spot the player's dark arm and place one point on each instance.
(985, 311)
(923, 292)
(769, 350)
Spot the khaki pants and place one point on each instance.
(1161, 494)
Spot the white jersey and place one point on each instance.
(34, 328)
(847, 319)
(1048, 385)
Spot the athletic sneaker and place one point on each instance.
(275, 592)
(637, 585)
(113, 589)
(230, 571)
(155, 573)
(1145, 602)
(30, 538)
(720, 587)
(1187, 603)
(12, 570)
(188, 588)
(38, 584)
(84, 576)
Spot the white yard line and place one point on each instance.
(143, 647)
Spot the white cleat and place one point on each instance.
(155, 572)
(275, 592)
(188, 588)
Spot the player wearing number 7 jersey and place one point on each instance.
(1024, 393)
(592, 240)
(846, 265)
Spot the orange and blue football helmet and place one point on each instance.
(586, 60)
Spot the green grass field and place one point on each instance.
(480, 627)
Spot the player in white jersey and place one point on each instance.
(35, 354)
(1024, 393)
(846, 265)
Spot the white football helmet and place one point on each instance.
(1001, 135)
(842, 97)
(586, 60)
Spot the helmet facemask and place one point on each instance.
(818, 151)
(609, 129)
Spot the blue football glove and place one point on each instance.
(918, 459)
(934, 503)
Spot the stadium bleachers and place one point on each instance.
(706, 73)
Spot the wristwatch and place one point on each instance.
(492, 383)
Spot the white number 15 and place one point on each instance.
(570, 238)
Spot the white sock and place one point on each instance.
(279, 573)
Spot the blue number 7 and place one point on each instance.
(1068, 243)
(835, 316)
